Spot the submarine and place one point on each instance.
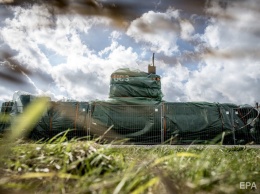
(137, 114)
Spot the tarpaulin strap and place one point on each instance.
(164, 120)
(6, 107)
(221, 116)
(85, 119)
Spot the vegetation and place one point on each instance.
(59, 166)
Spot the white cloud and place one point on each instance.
(236, 26)
(187, 29)
(173, 82)
(6, 94)
(233, 79)
(229, 81)
(212, 36)
(90, 79)
(18, 34)
(158, 30)
(84, 73)
(115, 35)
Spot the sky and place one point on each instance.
(204, 50)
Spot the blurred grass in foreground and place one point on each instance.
(23, 124)
(87, 167)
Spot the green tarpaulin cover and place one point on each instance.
(61, 117)
(143, 119)
(196, 121)
(133, 83)
(137, 120)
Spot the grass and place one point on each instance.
(86, 167)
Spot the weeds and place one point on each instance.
(87, 167)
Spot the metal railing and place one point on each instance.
(164, 123)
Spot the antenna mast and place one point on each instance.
(153, 59)
(152, 68)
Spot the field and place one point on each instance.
(59, 166)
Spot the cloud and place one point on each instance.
(90, 78)
(233, 78)
(232, 73)
(174, 81)
(187, 29)
(158, 30)
(229, 81)
(82, 73)
(18, 34)
(6, 94)
(62, 52)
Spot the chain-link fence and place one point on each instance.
(164, 123)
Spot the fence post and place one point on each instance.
(233, 125)
(162, 122)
